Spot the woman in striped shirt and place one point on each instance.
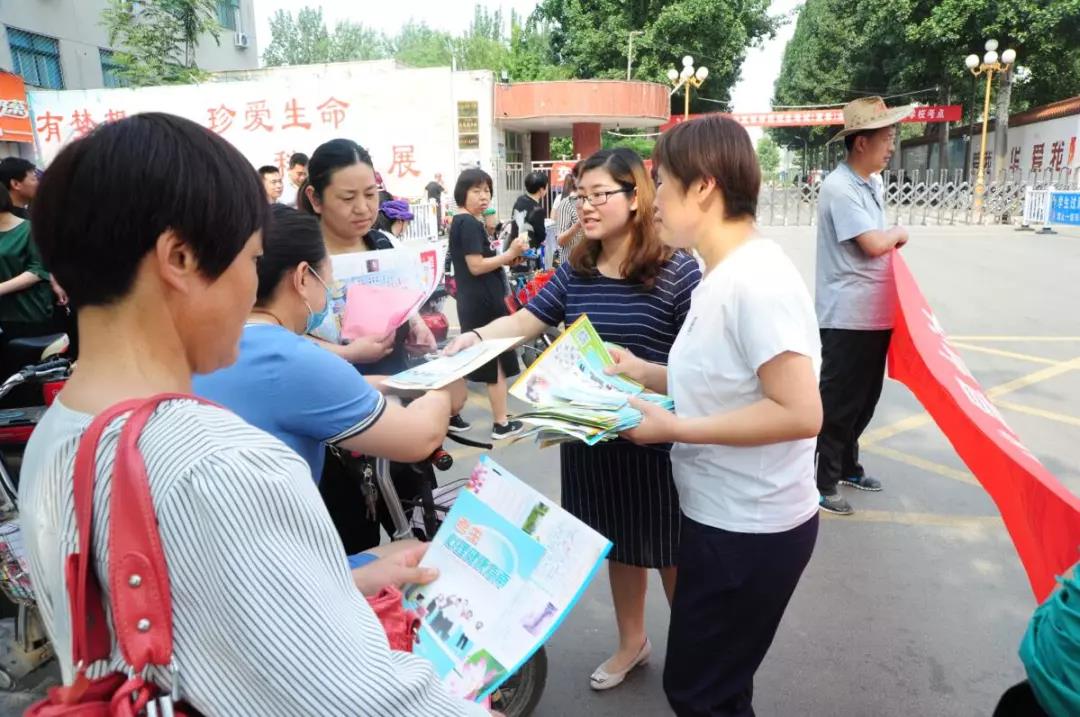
(636, 293)
(153, 225)
(567, 225)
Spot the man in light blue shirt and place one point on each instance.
(855, 298)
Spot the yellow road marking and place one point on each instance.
(1005, 354)
(1033, 378)
(921, 419)
(967, 522)
(922, 463)
(1041, 413)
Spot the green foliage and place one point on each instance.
(642, 145)
(589, 37)
(562, 148)
(158, 38)
(305, 40)
(842, 50)
(524, 54)
(768, 156)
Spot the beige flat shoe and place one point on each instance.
(604, 680)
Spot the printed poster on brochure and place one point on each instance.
(512, 563)
(403, 278)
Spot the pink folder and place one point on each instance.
(376, 310)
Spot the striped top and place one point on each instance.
(266, 618)
(565, 216)
(623, 313)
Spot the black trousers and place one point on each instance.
(852, 374)
(731, 592)
(340, 489)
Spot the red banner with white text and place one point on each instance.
(1041, 515)
(828, 116)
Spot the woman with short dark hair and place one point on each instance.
(153, 225)
(743, 373)
(482, 289)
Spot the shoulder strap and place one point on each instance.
(138, 575)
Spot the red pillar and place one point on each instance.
(540, 146)
(586, 138)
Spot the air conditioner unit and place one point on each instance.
(240, 39)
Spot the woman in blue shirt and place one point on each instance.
(305, 395)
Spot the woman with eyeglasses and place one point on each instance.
(636, 293)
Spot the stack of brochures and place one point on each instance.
(572, 398)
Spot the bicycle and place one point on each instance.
(30, 648)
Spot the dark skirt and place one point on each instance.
(476, 313)
(627, 494)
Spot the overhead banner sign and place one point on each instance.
(14, 111)
(1041, 515)
(824, 117)
(269, 119)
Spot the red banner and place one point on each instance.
(559, 170)
(1041, 515)
(14, 111)
(813, 118)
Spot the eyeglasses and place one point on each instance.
(599, 199)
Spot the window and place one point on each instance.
(36, 58)
(110, 69)
(227, 10)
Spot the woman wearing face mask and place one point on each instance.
(744, 376)
(636, 293)
(343, 192)
(295, 390)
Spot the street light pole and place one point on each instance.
(630, 51)
(687, 78)
(988, 67)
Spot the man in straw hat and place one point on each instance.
(855, 297)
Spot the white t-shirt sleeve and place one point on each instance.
(776, 316)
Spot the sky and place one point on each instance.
(752, 94)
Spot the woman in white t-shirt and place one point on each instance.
(744, 376)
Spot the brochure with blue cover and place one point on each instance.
(512, 563)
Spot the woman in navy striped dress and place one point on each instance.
(636, 293)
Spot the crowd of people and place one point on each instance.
(264, 529)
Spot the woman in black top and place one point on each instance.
(481, 287)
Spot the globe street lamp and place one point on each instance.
(991, 63)
(688, 77)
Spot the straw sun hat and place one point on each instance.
(869, 113)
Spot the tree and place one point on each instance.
(530, 51)
(842, 50)
(418, 45)
(305, 40)
(300, 41)
(768, 156)
(482, 46)
(590, 38)
(352, 41)
(642, 145)
(158, 38)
